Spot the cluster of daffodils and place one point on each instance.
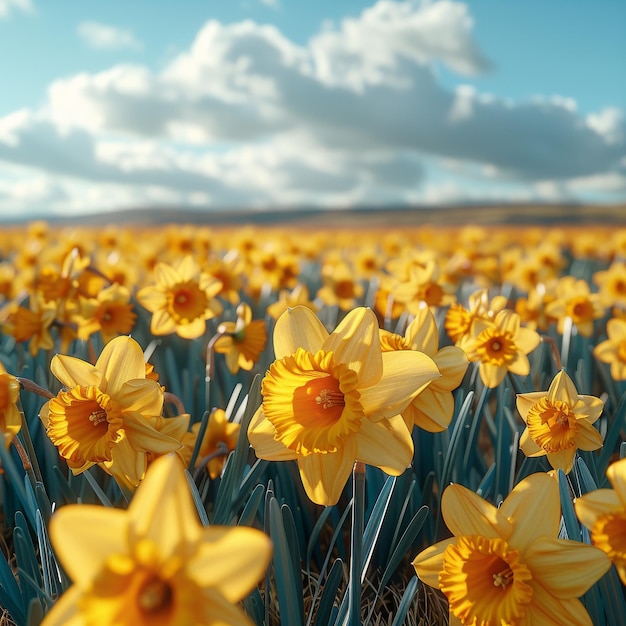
(362, 351)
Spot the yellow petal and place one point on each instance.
(120, 360)
(298, 328)
(617, 476)
(562, 388)
(162, 323)
(546, 609)
(151, 298)
(127, 464)
(143, 436)
(508, 321)
(529, 447)
(534, 508)
(65, 610)
(325, 475)
(466, 513)
(166, 275)
(72, 535)
(599, 502)
(431, 410)
(140, 395)
(422, 332)
(520, 365)
(194, 329)
(386, 444)
(72, 371)
(562, 459)
(589, 407)
(525, 401)
(356, 343)
(405, 373)
(162, 508)
(587, 437)
(452, 363)
(565, 568)
(243, 554)
(527, 340)
(429, 562)
(491, 375)
(262, 437)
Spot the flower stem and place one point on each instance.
(356, 544)
(33, 387)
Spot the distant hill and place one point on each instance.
(548, 214)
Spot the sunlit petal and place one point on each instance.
(405, 372)
(533, 508)
(120, 360)
(565, 568)
(72, 533)
(355, 342)
(386, 444)
(297, 328)
(72, 371)
(325, 475)
(466, 513)
(243, 555)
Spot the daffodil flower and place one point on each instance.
(603, 512)
(103, 414)
(242, 341)
(332, 399)
(154, 564)
(182, 300)
(506, 565)
(500, 346)
(558, 422)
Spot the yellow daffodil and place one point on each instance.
(242, 341)
(433, 408)
(603, 512)
(612, 285)
(332, 399)
(182, 300)
(506, 565)
(219, 439)
(154, 564)
(558, 422)
(10, 416)
(458, 322)
(110, 312)
(32, 324)
(103, 414)
(340, 286)
(500, 346)
(575, 301)
(613, 349)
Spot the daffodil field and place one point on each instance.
(260, 425)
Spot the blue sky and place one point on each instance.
(266, 103)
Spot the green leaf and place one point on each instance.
(286, 572)
(405, 603)
(329, 595)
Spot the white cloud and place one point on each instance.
(105, 37)
(270, 3)
(7, 6)
(246, 116)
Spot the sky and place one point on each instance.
(110, 104)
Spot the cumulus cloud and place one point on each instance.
(245, 116)
(7, 6)
(105, 37)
